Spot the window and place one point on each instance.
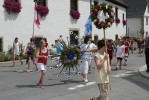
(123, 16)
(1, 44)
(147, 21)
(74, 4)
(95, 2)
(116, 13)
(148, 8)
(74, 37)
(41, 2)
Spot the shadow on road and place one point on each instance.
(140, 81)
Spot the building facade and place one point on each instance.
(137, 17)
(57, 22)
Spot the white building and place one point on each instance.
(137, 17)
(57, 22)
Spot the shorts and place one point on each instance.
(42, 67)
(119, 58)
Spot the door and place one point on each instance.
(74, 34)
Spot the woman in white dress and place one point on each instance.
(16, 51)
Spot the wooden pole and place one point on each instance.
(33, 29)
(107, 61)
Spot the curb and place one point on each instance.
(142, 72)
(8, 62)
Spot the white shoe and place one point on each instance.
(86, 81)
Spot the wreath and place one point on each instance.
(102, 15)
(70, 56)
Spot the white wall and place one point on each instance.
(146, 15)
(133, 26)
(57, 22)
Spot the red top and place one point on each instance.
(46, 44)
(110, 51)
(126, 46)
(43, 59)
(131, 42)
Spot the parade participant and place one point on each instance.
(58, 47)
(120, 51)
(139, 45)
(102, 70)
(16, 51)
(30, 51)
(142, 45)
(42, 55)
(147, 52)
(126, 43)
(110, 50)
(86, 49)
(132, 45)
(47, 45)
(92, 45)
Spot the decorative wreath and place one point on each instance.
(70, 56)
(102, 15)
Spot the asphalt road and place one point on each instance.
(127, 84)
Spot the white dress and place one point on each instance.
(16, 49)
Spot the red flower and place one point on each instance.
(117, 20)
(75, 14)
(96, 10)
(124, 22)
(102, 24)
(43, 10)
(12, 6)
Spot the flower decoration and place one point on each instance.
(102, 15)
(124, 22)
(75, 14)
(12, 6)
(42, 10)
(117, 20)
(70, 56)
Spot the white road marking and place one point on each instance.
(127, 73)
(81, 85)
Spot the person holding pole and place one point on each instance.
(102, 70)
(30, 51)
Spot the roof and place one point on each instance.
(119, 2)
(136, 8)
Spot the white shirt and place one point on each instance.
(120, 50)
(101, 75)
(85, 47)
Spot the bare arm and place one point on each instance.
(98, 62)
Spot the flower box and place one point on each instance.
(42, 10)
(124, 22)
(117, 20)
(74, 14)
(12, 6)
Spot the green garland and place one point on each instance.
(106, 9)
(70, 56)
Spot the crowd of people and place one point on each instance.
(103, 57)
